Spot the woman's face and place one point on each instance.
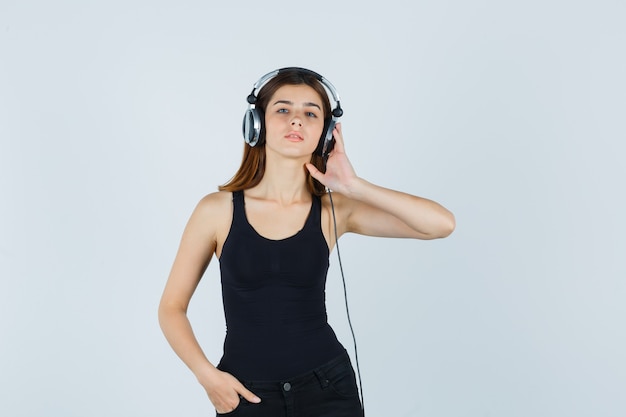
(294, 120)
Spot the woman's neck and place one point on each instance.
(284, 181)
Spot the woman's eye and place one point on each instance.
(283, 111)
(311, 114)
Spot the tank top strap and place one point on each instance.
(315, 217)
(239, 212)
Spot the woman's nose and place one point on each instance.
(296, 121)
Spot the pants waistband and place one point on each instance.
(286, 384)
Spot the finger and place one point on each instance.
(248, 395)
(338, 135)
(315, 173)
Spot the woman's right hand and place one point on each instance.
(224, 390)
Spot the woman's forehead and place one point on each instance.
(297, 93)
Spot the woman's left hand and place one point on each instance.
(339, 172)
(373, 210)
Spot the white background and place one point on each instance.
(117, 117)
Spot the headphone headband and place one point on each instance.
(267, 77)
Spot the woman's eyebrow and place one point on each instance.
(290, 103)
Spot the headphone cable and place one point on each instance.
(345, 296)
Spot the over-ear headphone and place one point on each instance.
(253, 118)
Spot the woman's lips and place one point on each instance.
(294, 137)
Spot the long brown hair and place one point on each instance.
(252, 166)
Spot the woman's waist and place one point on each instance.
(273, 333)
(274, 355)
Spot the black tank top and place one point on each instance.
(274, 300)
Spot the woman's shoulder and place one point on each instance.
(218, 197)
(215, 204)
(212, 215)
(338, 201)
(336, 210)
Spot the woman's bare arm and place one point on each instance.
(198, 243)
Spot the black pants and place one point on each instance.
(327, 391)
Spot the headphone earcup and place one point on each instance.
(327, 141)
(252, 126)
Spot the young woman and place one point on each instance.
(272, 227)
